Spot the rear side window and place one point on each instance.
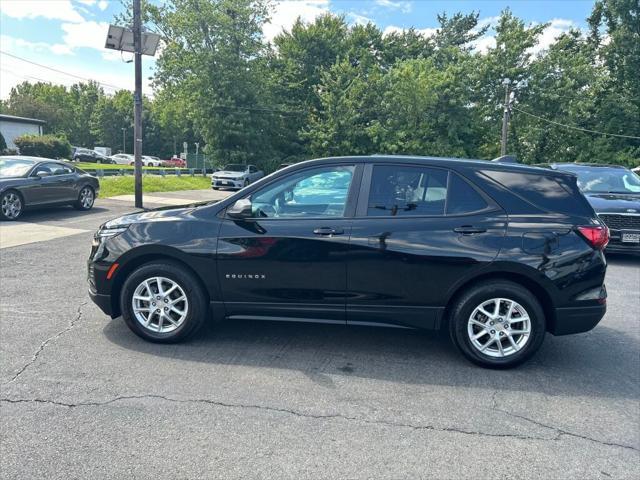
(546, 192)
(462, 197)
(407, 191)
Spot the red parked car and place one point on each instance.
(175, 162)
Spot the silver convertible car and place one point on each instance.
(29, 182)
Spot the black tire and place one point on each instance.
(197, 301)
(464, 307)
(216, 188)
(11, 196)
(246, 182)
(80, 204)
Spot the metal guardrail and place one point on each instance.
(123, 172)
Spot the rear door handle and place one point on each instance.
(328, 231)
(469, 230)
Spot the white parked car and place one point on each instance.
(149, 161)
(122, 158)
(235, 176)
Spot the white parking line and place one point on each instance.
(153, 199)
(13, 234)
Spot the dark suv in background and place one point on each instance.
(614, 193)
(498, 254)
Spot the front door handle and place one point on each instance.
(469, 230)
(328, 231)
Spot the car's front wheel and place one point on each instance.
(163, 302)
(11, 205)
(497, 324)
(86, 199)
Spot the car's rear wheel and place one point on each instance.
(497, 324)
(86, 199)
(163, 302)
(11, 205)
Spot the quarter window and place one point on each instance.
(317, 192)
(462, 197)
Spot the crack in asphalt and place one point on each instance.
(44, 344)
(559, 432)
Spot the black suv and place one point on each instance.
(497, 253)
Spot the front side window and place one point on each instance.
(235, 167)
(316, 192)
(407, 191)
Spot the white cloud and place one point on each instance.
(483, 44)
(101, 4)
(358, 19)
(403, 6)
(556, 27)
(50, 9)
(85, 35)
(9, 44)
(427, 32)
(286, 13)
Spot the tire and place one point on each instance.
(246, 183)
(11, 205)
(497, 337)
(194, 307)
(86, 199)
(216, 188)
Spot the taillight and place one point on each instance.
(596, 236)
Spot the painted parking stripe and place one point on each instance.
(14, 234)
(152, 199)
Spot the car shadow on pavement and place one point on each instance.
(599, 363)
(59, 213)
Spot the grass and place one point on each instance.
(111, 186)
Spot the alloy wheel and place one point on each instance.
(86, 198)
(11, 205)
(499, 327)
(160, 304)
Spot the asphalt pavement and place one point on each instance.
(82, 397)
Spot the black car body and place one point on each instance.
(90, 156)
(31, 182)
(408, 242)
(614, 193)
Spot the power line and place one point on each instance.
(574, 127)
(61, 71)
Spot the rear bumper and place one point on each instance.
(577, 319)
(226, 183)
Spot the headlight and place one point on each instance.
(111, 232)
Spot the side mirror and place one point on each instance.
(241, 209)
(42, 174)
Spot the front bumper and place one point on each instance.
(226, 183)
(616, 245)
(102, 301)
(577, 319)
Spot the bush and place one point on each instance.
(49, 146)
(3, 144)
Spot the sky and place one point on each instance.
(62, 41)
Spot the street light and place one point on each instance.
(140, 43)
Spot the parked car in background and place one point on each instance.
(29, 182)
(614, 193)
(235, 176)
(90, 156)
(176, 162)
(149, 161)
(497, 254)
(283, 165)
(122, 158)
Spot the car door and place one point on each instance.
(417, 231)
(289, 261)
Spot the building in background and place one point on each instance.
(12, 127)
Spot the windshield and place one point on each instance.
(235, 167)
(14, 167)
(606, 180)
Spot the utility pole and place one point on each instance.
(505, 117)
(137, 102)
(124, 140)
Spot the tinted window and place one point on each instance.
(407, 191)
(556, 194)
(50, 168)
(462, 197)
(317, 192)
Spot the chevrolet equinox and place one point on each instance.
(498, 254)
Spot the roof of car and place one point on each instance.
(444, 162)
(574, 164)
(29, 159)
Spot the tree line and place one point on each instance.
(330, 88)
